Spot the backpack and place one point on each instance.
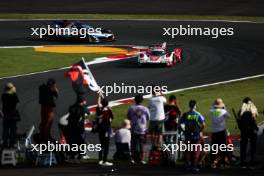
(95, 125)
(247, 122)
(75, 118)
(42, 93)
(192, 125)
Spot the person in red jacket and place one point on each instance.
(172, 114)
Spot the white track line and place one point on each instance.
(41, 46)
(35, 73)
(92, 62)
(14, 47)
(119, 102)
(98, 60)
(59, 69)
(217, 83)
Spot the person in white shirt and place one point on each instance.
(219, 115)
(123, 135)
(157, 116)
(123, 140)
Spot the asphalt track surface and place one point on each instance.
(122, 170)
(185, 7)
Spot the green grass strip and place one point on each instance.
(128, 17)
(231, 93)
(16, 61)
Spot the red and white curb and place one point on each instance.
(114, 57)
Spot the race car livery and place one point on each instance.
(158, 54)
(79, 31)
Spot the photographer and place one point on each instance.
(48, 93)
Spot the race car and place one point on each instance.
(158, 54)
(78, 31)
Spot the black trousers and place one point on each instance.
(104, 141)
(9, 132)
(219, 138)
(122, 151)
(251, 137)
(137, 146)
(74, 135)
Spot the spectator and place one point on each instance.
(1, 114)
(157, 116)
(139, 116)
(248, 130)
(203, 158)
(105, 117)
(123, 141)
(63, 132)
(75, 127)
(218, 116)
(10, 115)
(47, 94)
(192, 123)
(172, 113)
(65, 23)
(63, 124)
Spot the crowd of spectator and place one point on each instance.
(152, 120)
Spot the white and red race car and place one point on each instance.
(158, 54)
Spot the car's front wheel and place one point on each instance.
(174, 60)
(90, 40)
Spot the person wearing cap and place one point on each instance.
(219, 115)
(192, 123)
(48, 93)
(248, 130)
(123, 140)
(104, 117)
(172, 113)
(10, 115)
(139, 116)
